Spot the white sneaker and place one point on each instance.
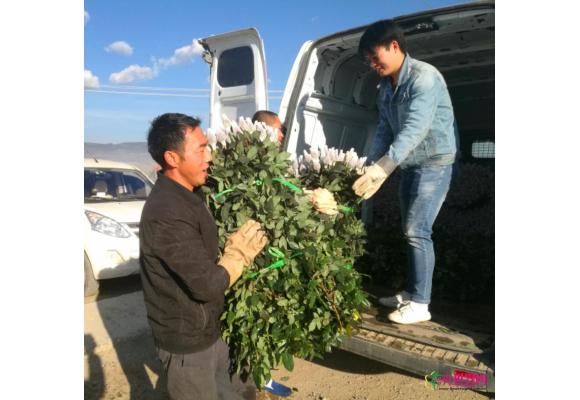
(410, 312)
(394, 301)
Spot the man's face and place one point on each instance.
(386, 61)
(279, 128)
(194, 161)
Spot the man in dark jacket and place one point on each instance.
(183, 279)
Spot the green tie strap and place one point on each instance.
(220, 194)
(288, 184)
(275, 252)
(259, 182)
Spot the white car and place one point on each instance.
(114, 197)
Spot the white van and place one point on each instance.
(330, 99)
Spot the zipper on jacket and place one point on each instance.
(204, 316)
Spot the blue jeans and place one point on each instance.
(422, 193)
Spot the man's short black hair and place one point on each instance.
(167, 132)
(264, 116)
(381, 33)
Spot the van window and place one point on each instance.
(236, 67)
(483, 149)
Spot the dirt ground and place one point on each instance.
(130, 370)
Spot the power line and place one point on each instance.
(167, 89)
(200, 96)
(137, 93)
(153, 88)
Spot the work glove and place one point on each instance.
(241, 248)
(374, 176)
(323, 201)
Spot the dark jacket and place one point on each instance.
(182, 285)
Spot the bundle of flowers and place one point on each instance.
(336, 171)
(302, 293)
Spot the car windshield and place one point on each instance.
(108, 184)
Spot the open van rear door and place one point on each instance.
(238, 78)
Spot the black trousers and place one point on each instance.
(204, 375)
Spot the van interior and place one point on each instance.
(338, 97)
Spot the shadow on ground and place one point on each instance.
(135, 357)
(351, 363)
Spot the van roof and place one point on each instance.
(475, 4)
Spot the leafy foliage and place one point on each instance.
(302, 293)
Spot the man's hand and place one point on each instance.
(323, 201)
(375, 175)
(241, 248)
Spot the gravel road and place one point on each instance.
(120, 362)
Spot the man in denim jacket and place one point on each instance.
(416, 133)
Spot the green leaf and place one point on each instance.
(283, 156)
(282, 242)
(312, 326)
(252, 153)
(225, 211)
(288, 361)
(293, 245)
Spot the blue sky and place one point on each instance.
(144, 34)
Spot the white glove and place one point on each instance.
(375, 175)
(323, 201)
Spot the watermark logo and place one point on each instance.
(458, 379)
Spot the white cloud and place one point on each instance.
(87, 17)
(314, 19)
(183, 55)
(91, 81)
(132, 73)
(120, 47)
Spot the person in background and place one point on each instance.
(184, 281)
(416, 134)
(271, 119)
(322, 199)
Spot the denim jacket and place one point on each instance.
(416, 123)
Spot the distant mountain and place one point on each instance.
(134, 153)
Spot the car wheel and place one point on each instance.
(91, 284)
